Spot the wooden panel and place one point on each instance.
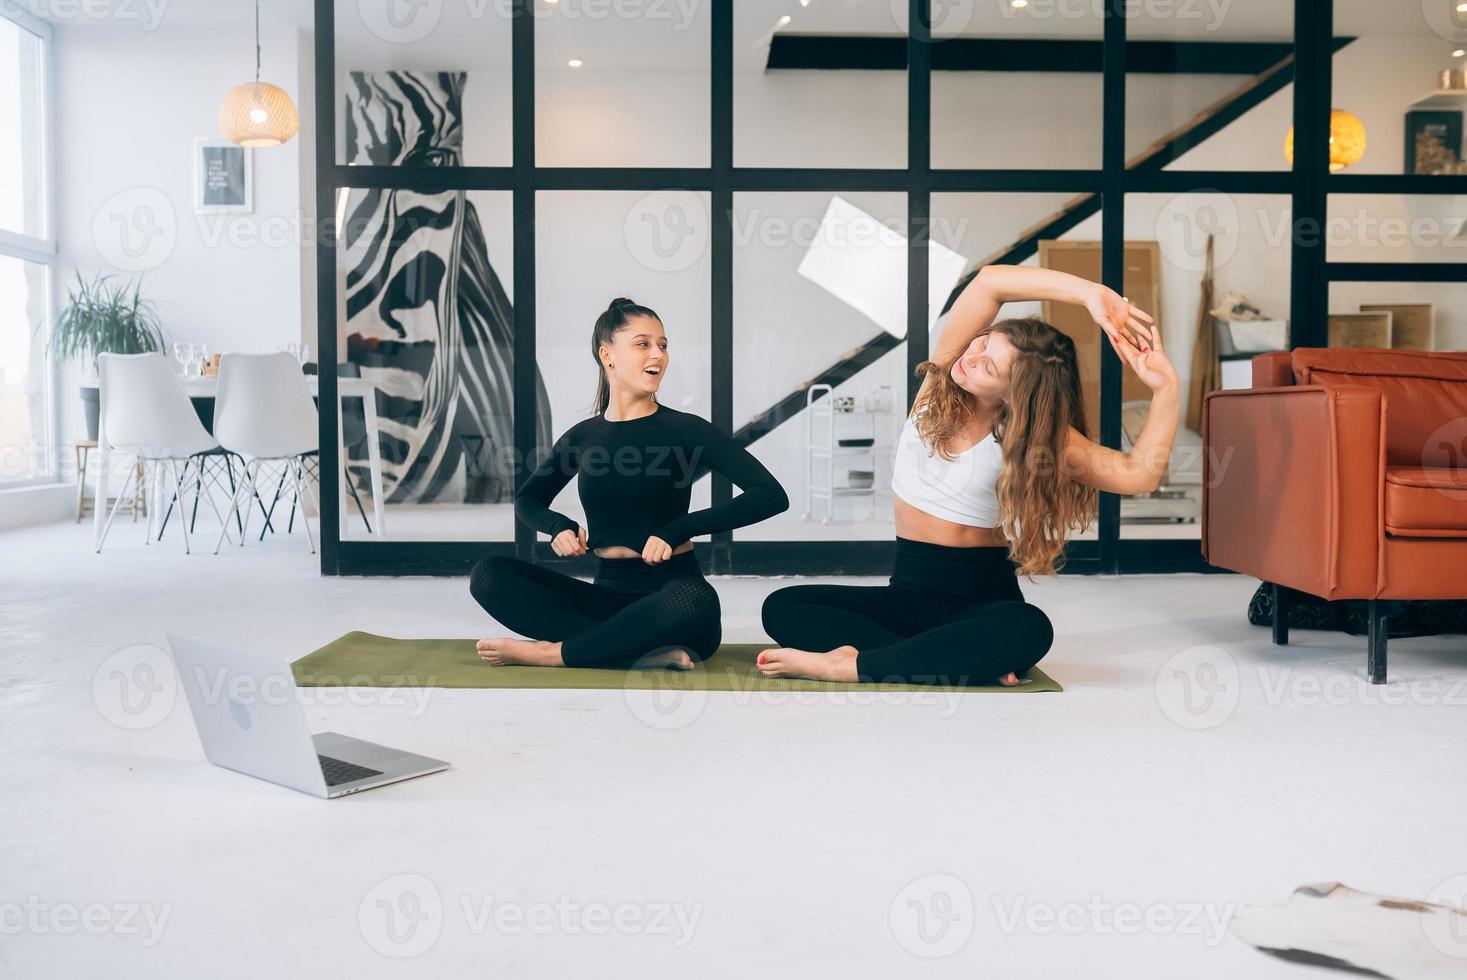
(1142, 286)
(1410, 324)
(1368, 330)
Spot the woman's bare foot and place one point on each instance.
(1011, 679)
(504, 651)
(837, 665)
(674, 659)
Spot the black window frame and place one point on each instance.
(1308, 185)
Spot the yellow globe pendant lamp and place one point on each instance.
(258, 113)
(1346, 141)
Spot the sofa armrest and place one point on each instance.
(1273, 370)
(1293, 486)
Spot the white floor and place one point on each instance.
(1189, 767)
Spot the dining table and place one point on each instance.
(207, 387)
(204, 389)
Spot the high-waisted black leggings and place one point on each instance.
(950, 616)
(630, 610)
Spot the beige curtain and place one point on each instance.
(1206, 370)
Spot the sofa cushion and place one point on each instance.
(1426, 397)
(1426, 502)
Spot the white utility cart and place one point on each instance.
(855, 447)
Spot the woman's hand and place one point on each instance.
(1122, 322)
(656, 551)
(569, 544)
(1149, 361)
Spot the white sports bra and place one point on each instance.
(963, 490)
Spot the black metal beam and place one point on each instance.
(1395, 184)
(1112, 254)
(522, 124)
(1393, 272)
(919, 46)
(721, 257)
(1308, 298)
(327, 353)
(872, 52)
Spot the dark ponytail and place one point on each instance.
(608, 325)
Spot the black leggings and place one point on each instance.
(632, 609)
(950, 616)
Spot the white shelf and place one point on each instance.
(1446, 98)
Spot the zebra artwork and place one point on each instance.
(426, 317)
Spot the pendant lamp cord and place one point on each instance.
(257, 41)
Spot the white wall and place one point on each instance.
(129, 104)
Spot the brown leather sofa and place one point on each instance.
(1343, 474)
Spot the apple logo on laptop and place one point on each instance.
(240, 713)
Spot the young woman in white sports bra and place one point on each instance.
(993, 469)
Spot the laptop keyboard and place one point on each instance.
(338, 772)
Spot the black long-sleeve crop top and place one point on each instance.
(636, 478)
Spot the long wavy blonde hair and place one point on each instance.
(1041, 504)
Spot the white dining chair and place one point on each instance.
(263, 411)
(146, 412)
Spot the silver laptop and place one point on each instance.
(245, 708)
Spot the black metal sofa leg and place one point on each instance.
(1280, 615)
(1375, 661)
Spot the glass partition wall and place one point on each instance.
(800, 188)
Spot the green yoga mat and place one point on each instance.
(366, 660)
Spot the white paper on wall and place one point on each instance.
(863, 263)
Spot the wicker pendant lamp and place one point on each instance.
(1346, 141)
(258, 113)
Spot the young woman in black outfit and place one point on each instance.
(991, 473)
(636, 462)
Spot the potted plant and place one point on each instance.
(104, 317)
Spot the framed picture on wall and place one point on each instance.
(1433, 141)
(1411, 327)
(223, 178)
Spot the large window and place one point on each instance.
(26, 250)
(800, 187)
